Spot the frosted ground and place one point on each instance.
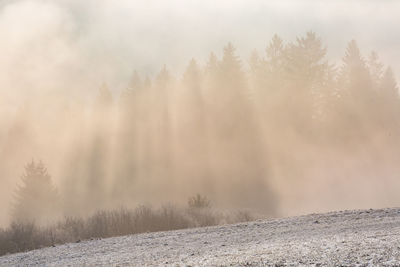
(347, 238)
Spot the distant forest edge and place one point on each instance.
(235, 134)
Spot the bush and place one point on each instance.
(172, 218)
(240, 216)
(71, 229)
(23, 236)
(4, 242)
(27, 236)
(199, 202)
(121, 222)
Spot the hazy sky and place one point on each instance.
(69, 48)
(68, 45)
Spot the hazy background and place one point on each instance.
(105, 40)
(51, 51)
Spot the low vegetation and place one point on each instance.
(24, 236)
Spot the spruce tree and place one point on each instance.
(36, 199)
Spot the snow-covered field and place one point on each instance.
(347, 238)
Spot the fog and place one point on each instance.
(110, 136)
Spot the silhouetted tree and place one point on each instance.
(36, 199)
(239, 168)
(375, 69)
(389, 86)
(275, 52)
(104, 97)
(136, 82)
(354, 75)
(192, 114)
(97, 160)
(268, 82)
(389, 100)
(147, 83)
(355, 94)
(132, 121)
(306, 70)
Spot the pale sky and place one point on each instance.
(72, 44)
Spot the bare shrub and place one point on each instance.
(199, 202)
(200, 212)
(27, 236)
(144, 219)
(98, 224)
(204, 217)
(240, 216)
(172, 218)
(71, 229)
(121, 222)
(22, 236)
(4, 242)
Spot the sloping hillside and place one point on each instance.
(347, 238)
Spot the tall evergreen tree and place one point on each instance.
(193, 93)
(375, 69)
(306, 74)
(210, 79)
(389, 93)
(36, 199)
(231, 73)
(276, 55)
(354, 75)
(357, 106)
(388, 85)
(212, 65)
(98, 151)
(192, 74)
(257, 74)
(306, 64)
(239, 167)
(136, 82)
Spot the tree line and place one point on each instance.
(217, 129)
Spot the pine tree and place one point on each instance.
(234, 137)
(192, 76)
(375, 68)
(231, 73)
(357, 99)
(306, 61)
(389, 95)
(305, 72)
(210, 79)
(163, 78)
(388, 85)
(135, 85)
(354, 75)
(275, 54)
(193, 83)
(104, 97)
(97, 153)
(212, 65)
(275, 65)
(135, 82)
(147, 83)
(267, 77)
(36, 199)
(257, 73)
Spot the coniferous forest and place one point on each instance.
(277, 133)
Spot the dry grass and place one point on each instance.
(20, 237)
